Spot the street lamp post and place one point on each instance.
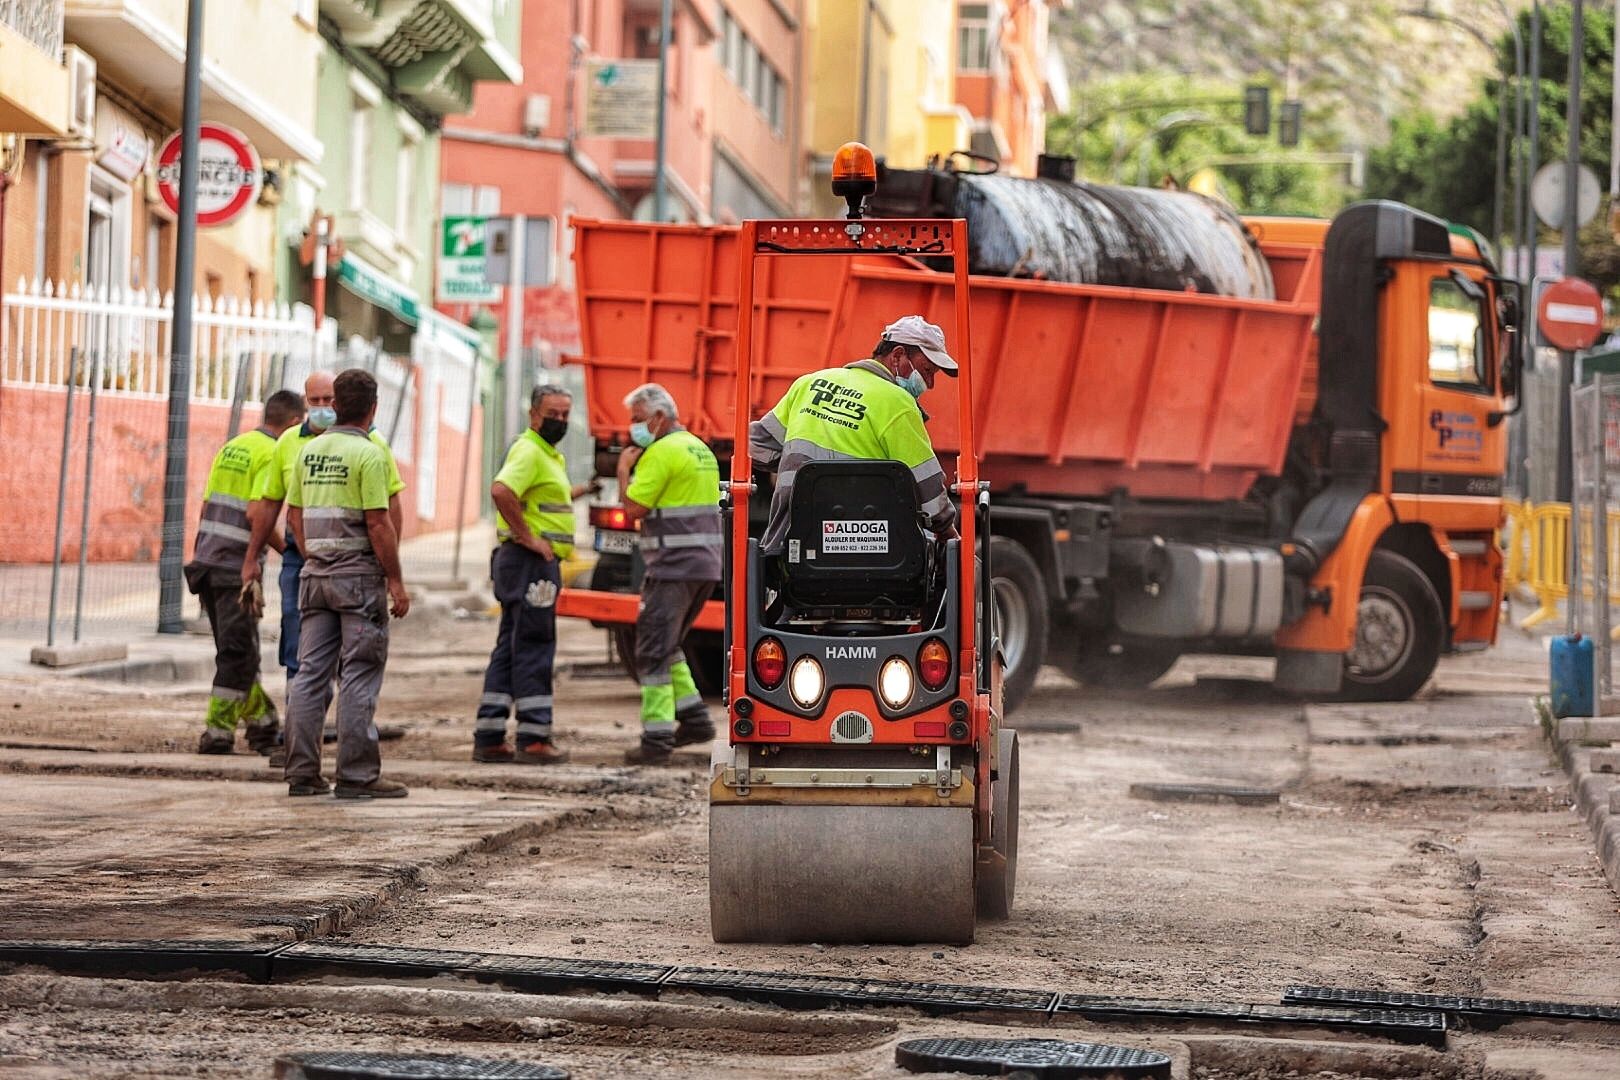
(660, 183)
(1572, 248)
(172, 552)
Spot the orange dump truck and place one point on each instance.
(1315, 476)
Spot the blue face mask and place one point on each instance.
(322, 416)
(913, 384)
(641, 434)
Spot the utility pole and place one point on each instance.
(172, 552)
(516, 408)
(660, 183)
(1572, 248)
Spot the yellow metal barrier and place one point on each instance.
(1547, 561)
(1536, 553)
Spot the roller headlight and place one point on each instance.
(895, 682)
(805, 681)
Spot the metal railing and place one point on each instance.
(38, 21)
(83, 385)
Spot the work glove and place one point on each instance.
(252, 600)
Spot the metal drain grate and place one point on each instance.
(1049, 1059)
(338, 958)
(1471, 1007)
(149, 958)
(774, 987)
(1406, 1025)
(946, 998)
(547, 974)
(349, 1065)
(812, 991)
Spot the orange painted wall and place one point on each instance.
(126, 512)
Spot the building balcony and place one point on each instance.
(253, 57)
(435, 49)
(33, 82)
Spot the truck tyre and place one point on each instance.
(1399, 628)
(1109, 666)
(1022, 618)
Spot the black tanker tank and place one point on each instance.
(1095, 234)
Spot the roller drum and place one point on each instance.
(841, 874)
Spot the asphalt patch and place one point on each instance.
(1048, 1059)
(1207, 793)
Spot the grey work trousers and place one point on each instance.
(345, 630)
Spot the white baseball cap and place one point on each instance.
(918, 331)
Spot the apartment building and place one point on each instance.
(1008, 77)
(732, 100)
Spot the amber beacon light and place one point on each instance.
(854, 175)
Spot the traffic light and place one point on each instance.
(1288, 123)
(1257, 110)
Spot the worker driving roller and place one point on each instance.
(864, 411)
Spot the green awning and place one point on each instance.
(375, 287)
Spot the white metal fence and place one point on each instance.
(241, 351)
(84, 375)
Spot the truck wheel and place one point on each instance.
(1021, 617)
(1109, 666)
(1399, 628)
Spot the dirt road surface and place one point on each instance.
(1426, 846)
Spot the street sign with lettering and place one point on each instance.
(464, 261)
(621, 98)
(228, 174)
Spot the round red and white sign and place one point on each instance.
(228, 174)
(1570, 314)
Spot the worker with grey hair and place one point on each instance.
(675, 495)
(536, 530)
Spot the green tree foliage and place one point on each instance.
(1449, 167)
(1140, 130)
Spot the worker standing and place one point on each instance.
(864, 411)
(351, 583)
(265, 513)
(675, 494)
(536, 504)
(214, 576)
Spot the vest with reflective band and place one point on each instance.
(853, 413)
(536, 472)
(223, 534)
(678, 479)
(340, 475)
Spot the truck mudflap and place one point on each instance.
(620, 608)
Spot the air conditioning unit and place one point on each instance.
(536, 114)
(82, 91)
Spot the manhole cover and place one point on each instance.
(347, 1065)
(1206, 793)
(1049, 1059)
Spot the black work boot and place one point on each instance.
(655, 749)
(697, 730)
(216, 741)
(263, 738)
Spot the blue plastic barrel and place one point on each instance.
(1570, 675)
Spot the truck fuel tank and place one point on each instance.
(1190, 591)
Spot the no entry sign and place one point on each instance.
(1570, 314)
(228, 174)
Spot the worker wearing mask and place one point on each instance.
(351, 584)
(234, 608)
(864, 411)
(536, 531)
(265, 513)
(675, 494)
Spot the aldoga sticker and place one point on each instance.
(855, 537)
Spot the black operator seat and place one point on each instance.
(855, 538)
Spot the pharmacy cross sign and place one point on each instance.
(228, 174)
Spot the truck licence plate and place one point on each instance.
(615, 541)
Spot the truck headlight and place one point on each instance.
(805, 681)
(895, 682)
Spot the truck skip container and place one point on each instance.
(1312, 473)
